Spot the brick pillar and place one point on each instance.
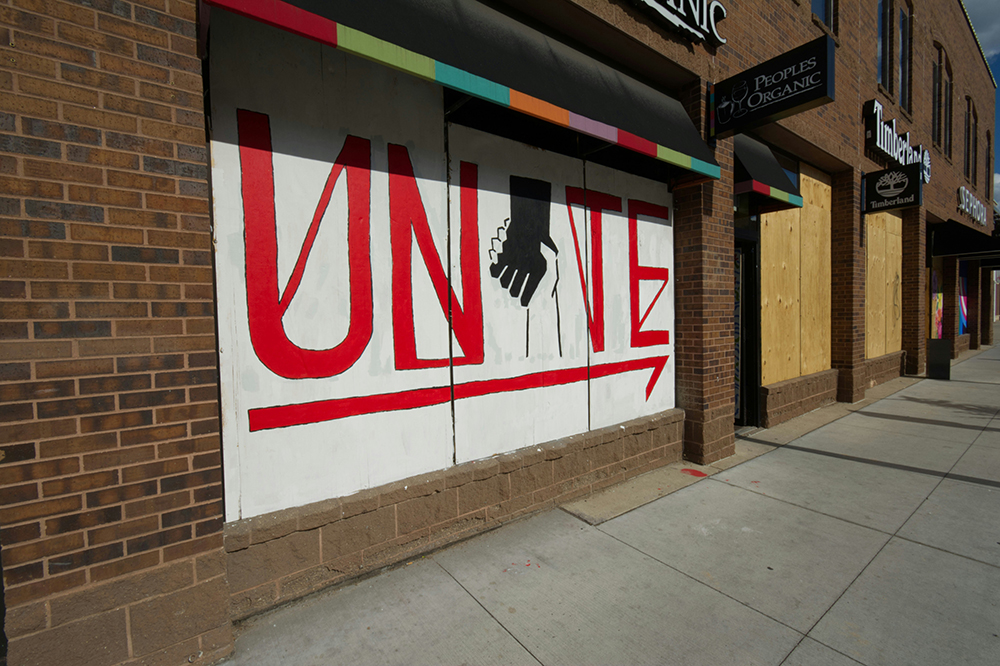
(950, 287)
(973, 289)
(986, 307)
(110, 476)
(847, 309)
(704, 346)
(915, 289)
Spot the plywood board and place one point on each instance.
(875, 281)
(780, 325)
(893, 286)
(815, 272)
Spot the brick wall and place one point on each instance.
(111, 513)
(847, 311)
(703, 294)
(915, 273)
(284, 555)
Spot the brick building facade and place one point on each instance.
(116, 475)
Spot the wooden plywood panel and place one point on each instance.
(875, 291)
(893, 286)
(779, 296)
(815, 279)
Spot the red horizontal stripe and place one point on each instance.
(636, 143)
(285, 16)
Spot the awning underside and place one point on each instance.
(476, 50)
(953, 238)
(758, 171)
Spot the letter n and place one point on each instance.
(408, 220)
(596, 202)
(266, 305)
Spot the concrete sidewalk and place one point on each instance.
(873, 539)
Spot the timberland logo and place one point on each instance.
(892, 184)
(698, 19)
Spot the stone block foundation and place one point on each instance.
(793, 397)
(281, 556)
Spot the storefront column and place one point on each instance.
(915, 289)
(972, 291)
(987, 295)
(952, 309)
(704, 345)
(847, 308)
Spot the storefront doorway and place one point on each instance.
(746, 314)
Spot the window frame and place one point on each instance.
(905, 63)
(884, 45)
(948, 91)
(827, 15)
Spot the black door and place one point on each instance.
(746, 330)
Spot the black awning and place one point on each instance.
(953, 238)
(758, 171)
(475, 49)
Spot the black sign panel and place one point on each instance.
(796, 81)
(899, 187)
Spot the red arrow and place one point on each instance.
(281, 416)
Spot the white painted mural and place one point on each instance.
(398, 294)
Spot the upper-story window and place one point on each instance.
(988, 182)
(884, 60)
(941, 99)
(971, 141)
(905, 50)
(823, 10)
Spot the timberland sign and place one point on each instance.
(796, 81)
(899, 187)
(881, 136)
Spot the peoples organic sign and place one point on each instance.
(795, 81)
(697, 19)
(899, 187)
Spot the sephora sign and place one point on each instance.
(696, 18)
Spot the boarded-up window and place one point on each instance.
(883, 291)
(795, 284)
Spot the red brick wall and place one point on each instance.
(847, 312)
(915, 276)
(111, 513)
(703, 295)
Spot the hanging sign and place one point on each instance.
(697, 19)
(881, 136)
(899, 187)
(795, 81)
(973, 207)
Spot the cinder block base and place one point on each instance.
(886, 368)
(793, 397)
(281, 556)
(169, 615)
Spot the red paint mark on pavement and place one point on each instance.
(693, 472)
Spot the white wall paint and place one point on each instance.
(317, 101)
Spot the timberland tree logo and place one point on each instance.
(892, 184)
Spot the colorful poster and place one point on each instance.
(963, 298)
(936, 306)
